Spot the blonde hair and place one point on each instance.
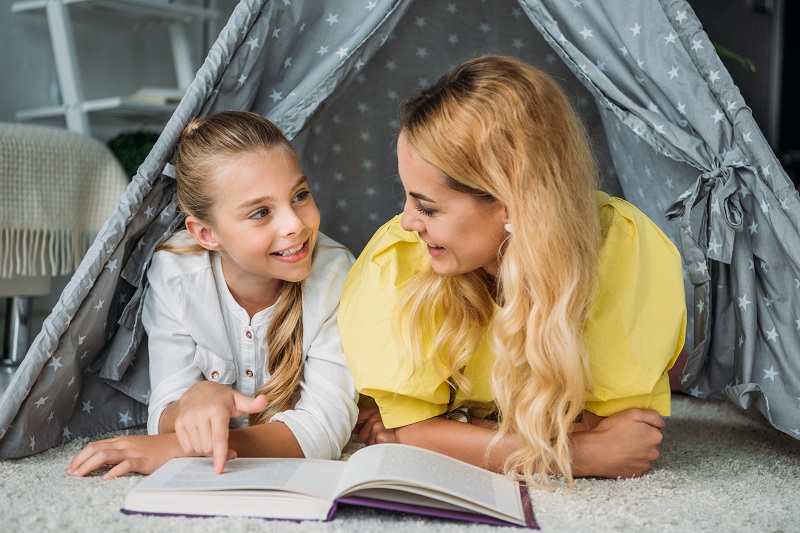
(206, 144)
(504, 132)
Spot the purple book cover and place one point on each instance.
(527, 508)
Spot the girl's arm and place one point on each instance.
(622, 445)
(145, 453)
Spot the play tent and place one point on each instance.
(670, 128)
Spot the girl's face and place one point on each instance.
(462, 232)
(265, 221)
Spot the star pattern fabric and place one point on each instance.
(670, 129)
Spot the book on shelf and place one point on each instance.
(384, 476)
(156, 95)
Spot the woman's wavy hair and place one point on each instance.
(205, 145)
(505, 132)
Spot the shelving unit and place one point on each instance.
(75, 108)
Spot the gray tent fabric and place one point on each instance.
(670, 128)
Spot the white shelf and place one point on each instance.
(147, 9)
(114, 106)
(76, 109)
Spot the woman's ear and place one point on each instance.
(202, 234)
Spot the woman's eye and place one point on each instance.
(261, 213)
(302, 196)
(424, 210)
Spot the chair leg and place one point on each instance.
(17, 330)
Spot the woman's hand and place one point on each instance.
(202, 417)
(370, 428)
(622, 445)
(142, 454)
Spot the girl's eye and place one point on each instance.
(261, 213)
(302, 196)
(424, 210)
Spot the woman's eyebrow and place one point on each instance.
(419, 196)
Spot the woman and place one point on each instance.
(510, 293)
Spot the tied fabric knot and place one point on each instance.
(722, 217)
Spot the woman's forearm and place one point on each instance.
(466, 442)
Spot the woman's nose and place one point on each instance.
(409, 220)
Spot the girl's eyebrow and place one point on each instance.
(262, 199)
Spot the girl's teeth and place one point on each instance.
(290, 251)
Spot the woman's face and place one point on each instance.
(462, 232)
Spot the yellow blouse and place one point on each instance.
(635, 329)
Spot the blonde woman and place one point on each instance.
(510, 294)
(240, 312)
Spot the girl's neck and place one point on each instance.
(254, 295)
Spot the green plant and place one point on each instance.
(131, 149)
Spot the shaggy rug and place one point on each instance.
(719, 471)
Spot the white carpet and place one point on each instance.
(719, 471)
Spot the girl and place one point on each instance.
(236, 308)
(509, 293)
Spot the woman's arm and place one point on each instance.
(622, 445)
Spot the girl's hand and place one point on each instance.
(622, 445)
(142, 454)
(370, 428)
(203, 414)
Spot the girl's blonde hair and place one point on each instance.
(504, 132)
(205, 145)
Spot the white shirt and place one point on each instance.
(197, 331)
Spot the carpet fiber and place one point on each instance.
(719, 471)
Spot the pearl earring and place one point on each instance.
(509, 228)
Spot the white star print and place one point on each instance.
(766, 170)
(111, 265)
(422, 53)
(731, 106)
(485, 28)
(241, 81)
(753, 227)
(362, 107)
(452, 38)
(576, 3)
(99, 305)
(700, 306)
(371, 191)
(56, 363)
(696, 392)
(768, 301)
(717, 116)
(747, 138)
(371, 6)
(359, 64)
(640, 63)
(87, 406)
(637, 30)
(681, 16)
(149, 212)
(125, 418)
(41, 401)
(744, 302)
(670, 39)
(517, 44)
(287, 62)
(701, 267)
(623, 51)
(50, 418)
(673, 73)
(332, 19)
(770, 374)
(420, 22)
(367, 164)
(743, 191)
(341, 52)
(713, 76)
(252, 43)
(764, 206)
(696, 45)
(681, 108)
(322, 50)
(713, 247)
(67, 433)
(586, 32)
(33, 443)
(71, 381)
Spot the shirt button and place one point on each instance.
(248, 335)
(249, 373)
(214, 375)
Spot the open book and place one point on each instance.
(388, 476)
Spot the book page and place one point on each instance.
(313, 477)
(395, 465)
